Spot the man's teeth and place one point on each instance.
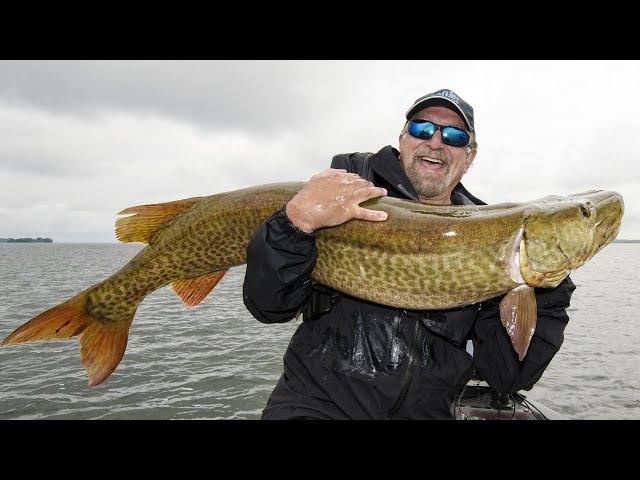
(432, 160)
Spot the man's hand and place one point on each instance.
(331, 198)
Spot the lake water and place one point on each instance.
(215, 361)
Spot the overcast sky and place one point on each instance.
(82, 140)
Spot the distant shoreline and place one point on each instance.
(626, 241)
(26, 240)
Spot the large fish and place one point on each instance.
(421, 257)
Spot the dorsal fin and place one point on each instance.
(148, 219)
(193, 290)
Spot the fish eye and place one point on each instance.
(586, 212)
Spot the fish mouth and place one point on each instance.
(611, 223)
(610, 210)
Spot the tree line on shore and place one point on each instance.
(26, 240)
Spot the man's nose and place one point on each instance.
(435, 141)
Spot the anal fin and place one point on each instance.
(193, 290)
(519, 314)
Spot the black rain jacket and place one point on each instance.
(353, 359)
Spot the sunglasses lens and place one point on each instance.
(455, 136)
(422, 129)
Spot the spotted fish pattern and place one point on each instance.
(421, 257)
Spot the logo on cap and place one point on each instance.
(448, 94)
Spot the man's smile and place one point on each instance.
(431, 163)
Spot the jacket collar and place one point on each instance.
(386, 164)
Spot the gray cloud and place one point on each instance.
(258, 96)
(80, 141)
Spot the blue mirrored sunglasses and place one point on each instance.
(424, 129)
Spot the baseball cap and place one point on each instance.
(447, 97)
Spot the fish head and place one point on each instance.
(562, 233)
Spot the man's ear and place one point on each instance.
(469, 160)
(400, 142)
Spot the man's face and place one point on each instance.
(433, 181)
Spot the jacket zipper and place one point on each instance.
(408, 376)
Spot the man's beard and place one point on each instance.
(428, 186)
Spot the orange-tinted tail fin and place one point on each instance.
(102, 344)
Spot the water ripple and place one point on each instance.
(215, 361)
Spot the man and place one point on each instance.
(353, 359)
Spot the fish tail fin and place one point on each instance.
(102, 344)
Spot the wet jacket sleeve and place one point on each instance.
(345, 161)
(280, 259)
(494, 357)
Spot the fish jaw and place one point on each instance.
(610, 208)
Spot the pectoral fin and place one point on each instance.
(519, 313)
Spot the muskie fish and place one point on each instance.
(421, 257)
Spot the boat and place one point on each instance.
(478, 401)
